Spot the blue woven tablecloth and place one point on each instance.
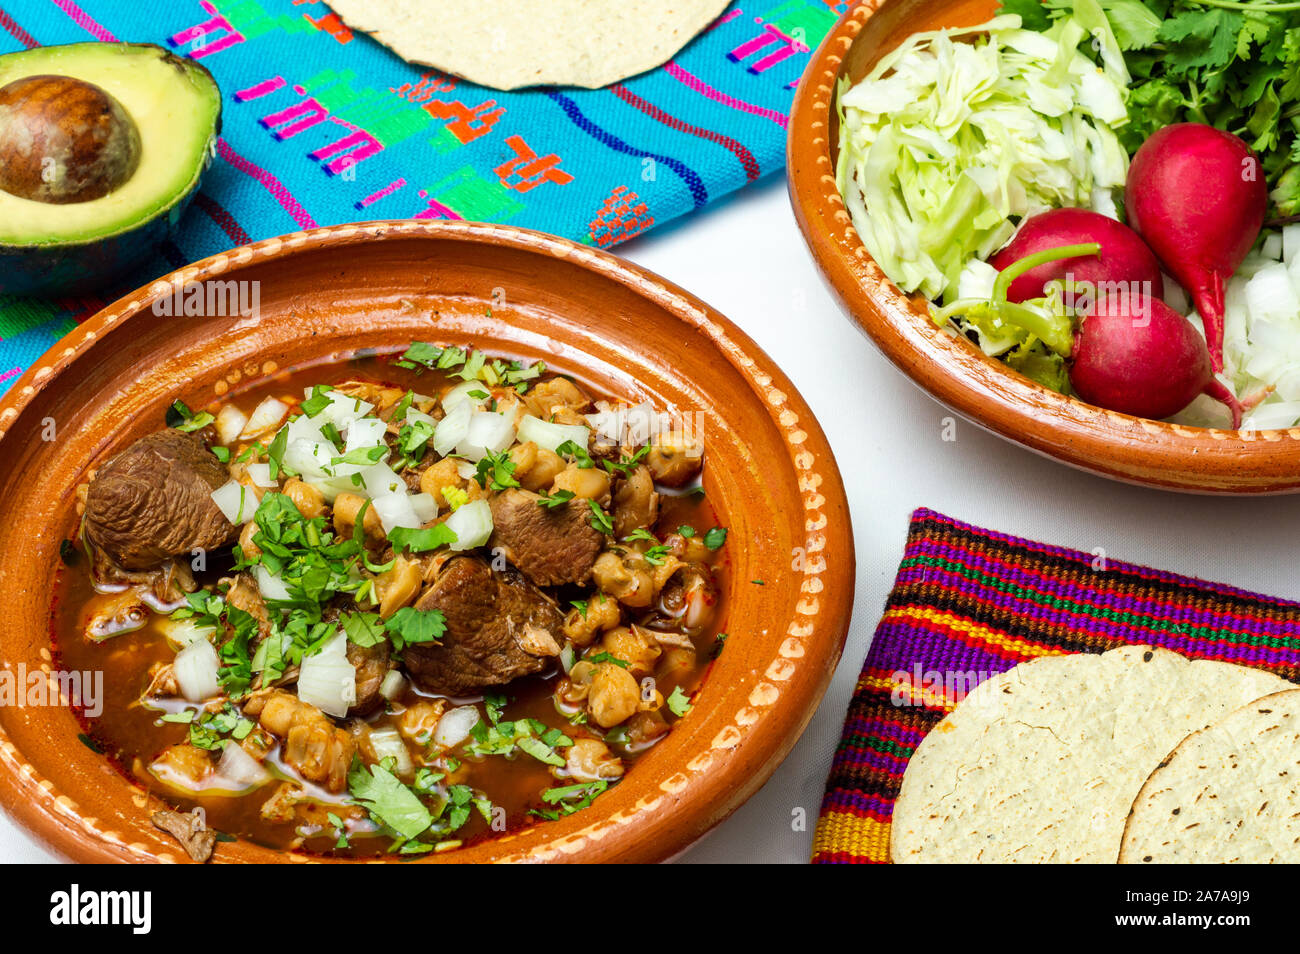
(323, 126)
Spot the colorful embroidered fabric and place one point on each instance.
(972, 602)
(323, 126)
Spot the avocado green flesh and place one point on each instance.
(176, 107)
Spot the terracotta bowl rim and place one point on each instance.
(982, 389)
(815, 636)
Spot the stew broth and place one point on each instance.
(133, 730)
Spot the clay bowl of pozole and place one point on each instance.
(409, 541)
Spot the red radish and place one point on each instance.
(1198, 197)
(1124, 256)
(1141, 357)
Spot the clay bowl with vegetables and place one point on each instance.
(409, 541)
(959, 229)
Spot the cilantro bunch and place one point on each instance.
(1232, 64)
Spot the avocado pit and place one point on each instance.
(64, 140)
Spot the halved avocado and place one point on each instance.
(102, 145)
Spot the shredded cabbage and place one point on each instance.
(945, 143)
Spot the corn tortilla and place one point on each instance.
(506, 44)
(1042, 763)
(1229, 793)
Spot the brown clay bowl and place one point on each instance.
(954, 371)
(769, 474)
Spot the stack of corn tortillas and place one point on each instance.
(1229, 793)
(1044, 762)
(506, 44)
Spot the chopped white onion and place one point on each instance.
(387, 743)
(454, 726)
(472, 524)
(489, 432)
(550, 435)
(230, 421)
(1272, 246)
(238, 771)
(179, 633)
(260, 474)
(426, 508)
(265, 417)
(309, 458)
(365, 433)
(466, 470)
(460, 394)
(379, 479)
(453, 428)
(331, 487)
(195, 668)
(414, 416)
(394, 511)
(304, 428)
(236, 501)
(269, 585)
(327, 680)
(393, 685)
(342, 410)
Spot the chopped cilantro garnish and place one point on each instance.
(550, 501)
(568, 799)
(625, 464)
(678, 702)
(409, 626)
(600, 520)
(540, 751)
(715, 538)
(275, 453)
(181, 418)
(363, 629)
(421, 541)
(317, 402)
(579, 454)
(496, 472)
(388, 801)
(657, 556)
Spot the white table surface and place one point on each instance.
(745, 256)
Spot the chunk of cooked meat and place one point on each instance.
(313, 745)
(372, 665)
(198, 840)
(487, 615)
(153, 501)
(551, 545)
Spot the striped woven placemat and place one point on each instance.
(969, 603)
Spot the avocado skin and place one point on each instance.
(66, 269)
